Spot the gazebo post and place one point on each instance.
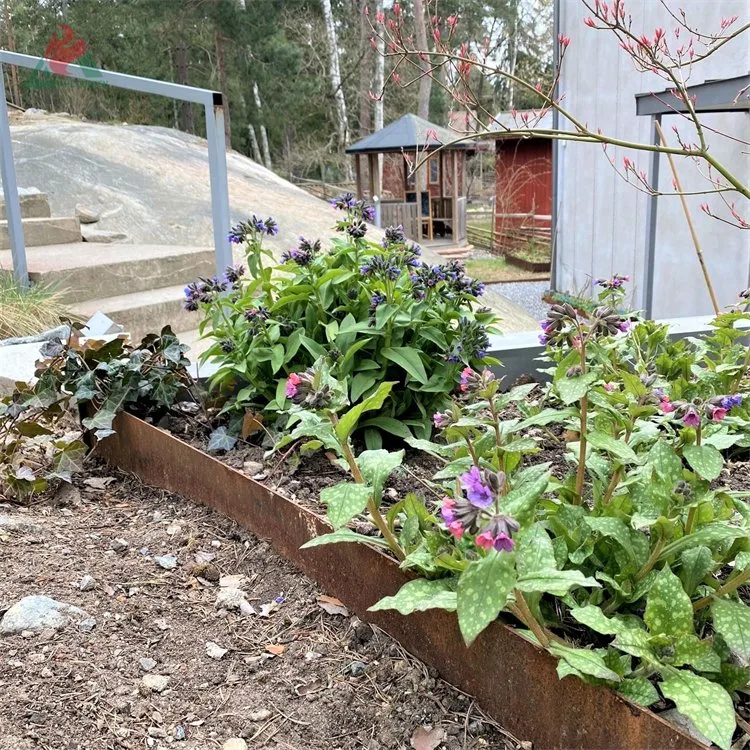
(454, 209)
(371, 166)
(358, 170)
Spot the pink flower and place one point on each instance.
(292, 383)
(448, 510)
(718, 413)
(452, 21)
(691, 418)
(484, 540)
(564, 40)
(609, 387)
(666, 406)
(590, 22)
(456, 529)
(466, 375)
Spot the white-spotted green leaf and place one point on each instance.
(639, 690)
(613, 528)
(695, 564)
(732, 621)
(345, 500)
(633, 641)
(418, 596)
(555, 582)
(376, 466)
(574, 389)
(521, 501)
(344, 535)
(668, 608)
(534, 550)
(584, 660)
(617, 448)
(483, 590)
(692, 651)
(666, 462)
(705, 703)
(708, 535)
(348, 421)
(595, 619)
(544, 417)
(705, 460)
(454, 468)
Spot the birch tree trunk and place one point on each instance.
(425, 82)
(342, 127)
(254, 144)
(365, 72)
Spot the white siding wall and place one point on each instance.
(602, 221)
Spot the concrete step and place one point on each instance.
(97, 270)
(143, 312)
(34, 204)
(44, 231)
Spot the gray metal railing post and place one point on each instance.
(10, 191)
(217, 167)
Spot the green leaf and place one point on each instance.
(376, 466)
(544, 417)
(277, 357)
(555, 582)
(408, 359)
(617, 448)
(613, 528)
(348, 421)
(592, 617)
(454, 468)
(521, 501)
(221, 440)
(361, 383)
(705, 460)
(639, 690)
(344, 501)
(705, 703)
(389, 424)
(668, 608)
(534, 550)
(344, 535)
(418, 596)
(584, 660)
(695, 564)
(692, 651)
(483, 591)
(711, 534)
(634, 641)
(574, 389)
(732, 621)
(313, 347)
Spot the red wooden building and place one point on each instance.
(523, 184)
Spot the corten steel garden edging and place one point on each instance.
(514, 681)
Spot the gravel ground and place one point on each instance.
(527, 294)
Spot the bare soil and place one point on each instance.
(299, 678)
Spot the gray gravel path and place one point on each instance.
(527, 294)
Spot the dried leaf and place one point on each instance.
(307, 688)
(425, 738)
(204, 557)
(267, 609)
(215, 651)
(232, 582)
(276, 649)
(251, 423)
(98, 483)
(333, 606)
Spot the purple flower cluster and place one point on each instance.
(692, 413)
(344, 202)
(377, 299)
(471, 342)
(394, 236)
(233, 274)
(358, 212)
(469, 514)
(304, 389)
(203, 291)
(303, 254)
(252, 228)
(616, 282)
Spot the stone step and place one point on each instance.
(143, 312)
(44, 231)
(34, 204)
(93, 270)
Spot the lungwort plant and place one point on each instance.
(625, 556)
(375, 311)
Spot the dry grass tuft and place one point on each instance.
(31, 311)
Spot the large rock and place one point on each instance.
(101, 235)
(37, 613)
(86, 214)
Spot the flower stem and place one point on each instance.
(371, 505)
(581, 473)
(729, 586)
(652, 558)
(472, 452)
(523, 613)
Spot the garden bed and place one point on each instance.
(533, 266)
(514, 680)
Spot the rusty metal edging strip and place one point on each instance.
(513, 680)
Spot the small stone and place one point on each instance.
(168, 562)
(216, 544)
(101, 235)
(179, 732)
(215, 651)
(262, 714)
(86, 215)
(153, 683)
(174, 528)
(37, 613)
(252, 467)
(157, 516)
(19, 525)
(87, 583)
(147, 664)
(357, 668)
(230, 599)
(156, 732)
(87, 625)
(120, 545)
(235, 743)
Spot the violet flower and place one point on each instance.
(478, 493)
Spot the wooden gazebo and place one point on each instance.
(430, 202)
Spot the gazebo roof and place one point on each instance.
(408, 133)
(719, 95)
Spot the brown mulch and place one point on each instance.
(299, 678)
